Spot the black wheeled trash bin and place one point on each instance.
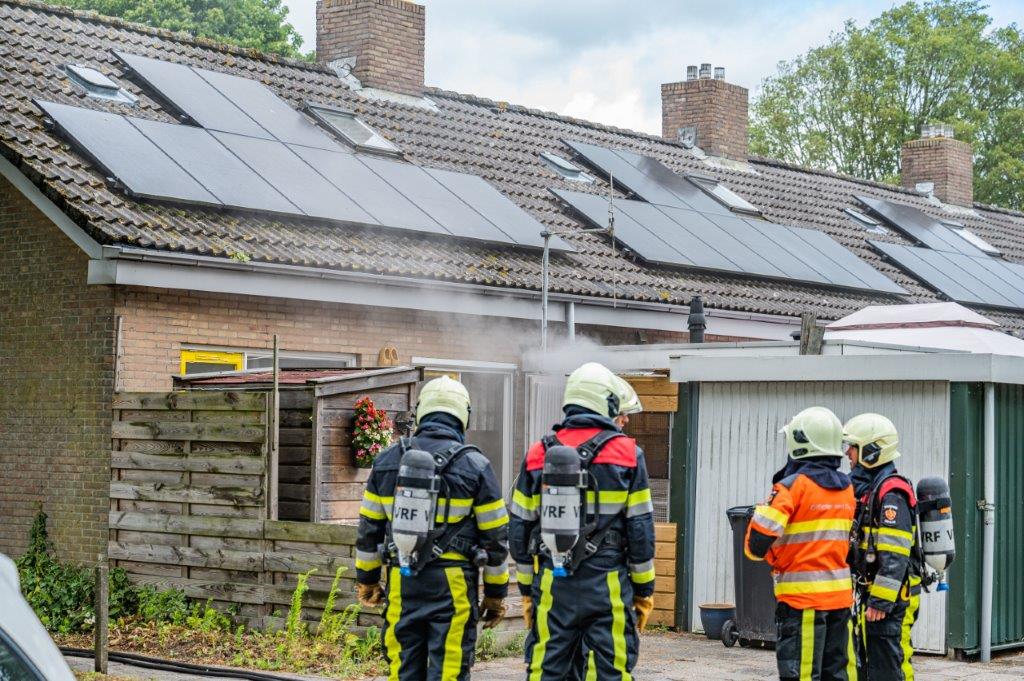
(755, 590)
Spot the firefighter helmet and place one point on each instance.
(444, 394)
(875, 438)
(593, 386)
(629, 401)
(815, 431)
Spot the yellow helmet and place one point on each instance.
(875, 438)
(629, 401)
(815, 431)
(594, 387)
(446, 395)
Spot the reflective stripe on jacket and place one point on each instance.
(812, 526)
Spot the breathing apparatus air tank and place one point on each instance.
(416, 492)
(563, 483)
(935, 513)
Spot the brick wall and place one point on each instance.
(947, 162)
(385, 36)
(56, 369)
(718, 110)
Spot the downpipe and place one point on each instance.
(988, 507)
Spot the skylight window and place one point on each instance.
(353, 130)
(724, 195)
(869, 223)
(565, 168)
(96, 84)
(972, 238)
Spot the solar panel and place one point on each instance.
(437, 201)
(295, 179)
(647, 177)
(628, 231)
(124, 153)
(920, 226)
(184, 90)
(685, 230)
(213, 166)
(729, 243)
(377, 197)
(520, 227)
(981, 280)
(271, 112)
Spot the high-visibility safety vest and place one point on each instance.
(812, 525)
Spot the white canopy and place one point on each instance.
(946, 326)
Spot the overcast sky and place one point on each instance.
(605, 60)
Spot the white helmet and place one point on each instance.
(629, 401)
(446, 395)
(875, 437)
(815, 431)
(593, 386)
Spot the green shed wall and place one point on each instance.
(967, 404)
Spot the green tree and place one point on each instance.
(256, 24)
(849, 104)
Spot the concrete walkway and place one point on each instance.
(678, 657)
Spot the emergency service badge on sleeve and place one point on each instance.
(889, 514)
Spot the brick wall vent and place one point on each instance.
(947, 164)
(709, 106)
(386, 38)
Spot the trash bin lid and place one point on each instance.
(738, 512)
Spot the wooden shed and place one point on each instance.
(316, 478)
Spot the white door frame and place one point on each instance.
(508, 372)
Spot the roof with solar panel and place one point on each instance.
(162, 142)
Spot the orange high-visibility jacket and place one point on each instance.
(812, 525)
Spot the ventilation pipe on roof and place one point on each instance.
(705, 70)
(719, 73)
(696, 322)
(691, 72)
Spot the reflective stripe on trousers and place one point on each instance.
(430, 624)
(887, 646)
(815, 645)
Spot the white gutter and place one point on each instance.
(988, 505)
(126, 266)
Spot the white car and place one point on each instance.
(26, 651)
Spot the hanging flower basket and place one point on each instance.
(372, 432)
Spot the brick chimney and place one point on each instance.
(942, 160)
(386, 37)
(710, 107)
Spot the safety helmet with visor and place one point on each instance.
(815, 431)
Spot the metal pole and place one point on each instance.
(544, 291)
(570, 321)
(989, 528)
(102, 603)
(275, 414)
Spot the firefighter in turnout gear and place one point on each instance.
(886, 556)
(433, 515)
(582, 536)
(803, 531)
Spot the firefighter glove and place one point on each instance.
(369, 595)
(493, 611)
(528, 611)
(644, 605)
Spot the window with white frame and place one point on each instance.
(202, 360)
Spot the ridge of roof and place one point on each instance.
(180, 36)
(479, 100)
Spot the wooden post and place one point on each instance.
(275, 418)
(811, 335)
(102, 615)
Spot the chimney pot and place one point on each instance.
(385, 37)
(709, 112)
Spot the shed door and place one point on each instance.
(739, 449)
